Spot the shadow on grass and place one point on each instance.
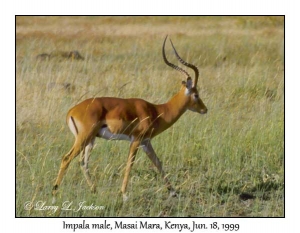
(261, 190)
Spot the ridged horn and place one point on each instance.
(172, 65)
(187, 64)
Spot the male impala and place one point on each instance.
(134, 120)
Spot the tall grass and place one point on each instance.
(238, 147)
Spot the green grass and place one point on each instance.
(238, 147)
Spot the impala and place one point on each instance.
(134, 120)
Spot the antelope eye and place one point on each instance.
(196, 96)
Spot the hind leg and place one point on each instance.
(76, 149)
(84, 160)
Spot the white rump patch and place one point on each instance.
(72, 126)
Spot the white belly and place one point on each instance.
(106, 134)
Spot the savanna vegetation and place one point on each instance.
(229, 162)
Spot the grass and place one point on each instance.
(238, 147)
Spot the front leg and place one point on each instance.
(132, 152)
(148, 149)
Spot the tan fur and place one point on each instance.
(136, 119)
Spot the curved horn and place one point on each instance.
(187, 64)
(172, 65)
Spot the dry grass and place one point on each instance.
(236, 148)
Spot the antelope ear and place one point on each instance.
(189, 83)
(188, 86)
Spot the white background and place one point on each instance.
(211, 7)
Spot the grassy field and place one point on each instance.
(214, 161)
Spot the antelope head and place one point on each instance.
(195, 104)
